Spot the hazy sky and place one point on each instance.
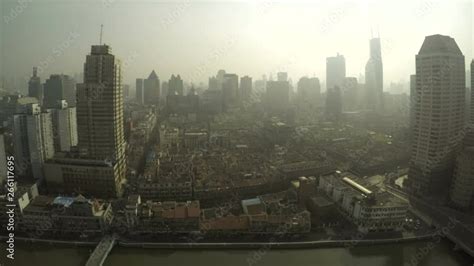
(197, 38)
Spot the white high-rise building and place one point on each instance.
(438, 102)
(64, 126)
(33, 141)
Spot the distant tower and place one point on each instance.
(175, 86)
(230, 89)
(35, 88)
(151, 88)
(277, 96)
(335, 76)
(335, 71)
(139, 90)
(282, 76)
(374, 77)
(439, 115)
(245, 87)
(309, 91)
(57, 88)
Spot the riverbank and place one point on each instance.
(441, 254)
(236, 245)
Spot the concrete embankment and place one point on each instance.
(55, 241)
(236, 245)
(276, 245)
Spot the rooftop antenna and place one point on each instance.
(101, 28)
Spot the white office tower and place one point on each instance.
(438, 116)
(33, 141)
(64, 126)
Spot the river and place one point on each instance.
(441, 254)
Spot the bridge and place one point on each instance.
(102, 250)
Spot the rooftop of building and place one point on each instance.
(439, 44)
(369, 190)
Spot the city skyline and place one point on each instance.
(168, 138)
(278, 36)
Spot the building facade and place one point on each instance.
(33, 141)
(99, 167)
(57, 88)
(151, 87)
(462, 190)
(139, 90)
(35, 88)
(438, 115)
(64, 126)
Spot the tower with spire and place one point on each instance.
(374, 77)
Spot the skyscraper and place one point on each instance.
(277, 96)
(438, 115)
(57, 88)
(335, 75)
(230, 89)
(139, 90)
(151, 88)
(374, 77)
(100, 107)
(164, 92)
(213, 84)
(220, 78)
(35, 88)
(335, 71)
(309, 91)
(99, 168)
(282, 76)
(33, 141)
(334, 103)
(245, 87)
(350, 92)
(126, 91)
(175, 86)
